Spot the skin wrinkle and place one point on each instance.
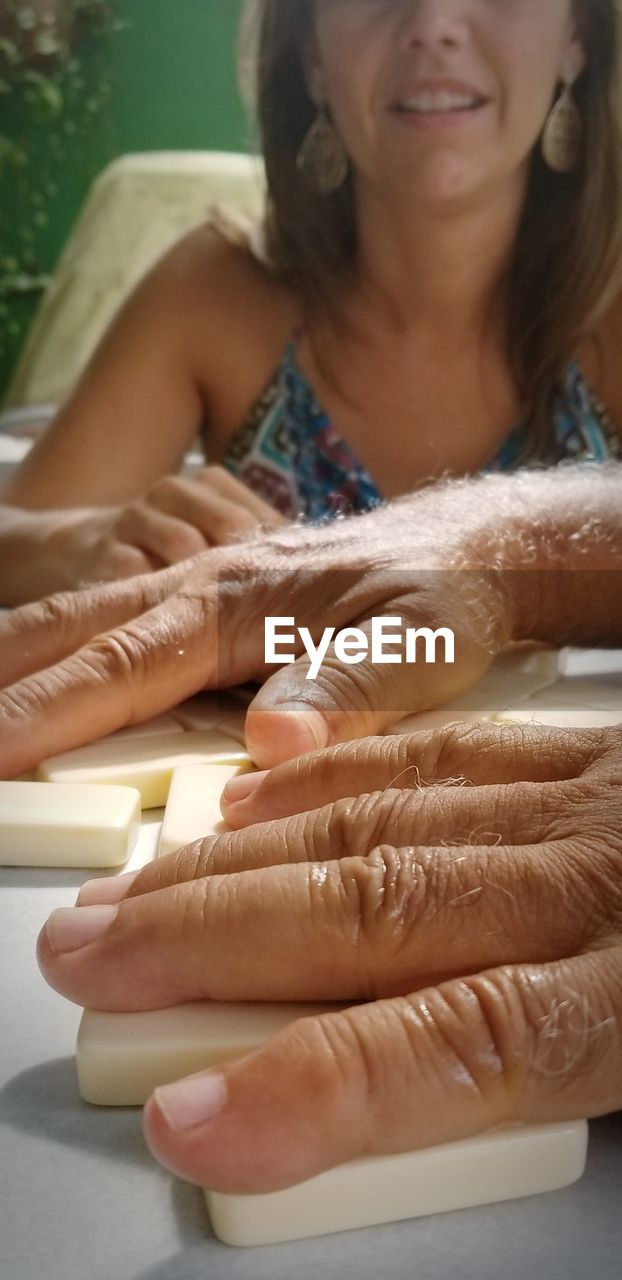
(360, 820)
(455, 1020)
(416, 1017)
(499, 1013)
(383, 900)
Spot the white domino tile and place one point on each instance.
(193, 804)
(122, 1057)
(67, 825)
(146, 763)
(500, 1165)
(513, 676)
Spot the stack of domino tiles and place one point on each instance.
(83, 808)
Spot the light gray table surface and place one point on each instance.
(82, 1199)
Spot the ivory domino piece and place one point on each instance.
(122, 1057)
(165, 723)
(144, 763)
(513, 676)
(67, 825)
(558, 717)
(213, 711)
(573, 703)
(500, 1165)
(193, 805)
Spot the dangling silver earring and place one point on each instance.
(561, 137)
(322, 159)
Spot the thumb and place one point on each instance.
(394, 1075)
(314, 703)
(402, 1074)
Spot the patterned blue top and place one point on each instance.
(290, 452)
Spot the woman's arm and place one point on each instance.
(141, 400)
(95, 499)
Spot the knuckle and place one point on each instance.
(452, 740)
(587, 817)
(128, 561)
(481, 1023)
(127, 653)
(163, 488)
(358, 824)
(229, 524)
(56, 613)
(182, 544)
(384, 898)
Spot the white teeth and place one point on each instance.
(438, 102)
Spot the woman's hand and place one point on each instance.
(465, 884)
(46, 551)
(183, 515)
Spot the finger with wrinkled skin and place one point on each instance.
(473, 753)
(526, 813)
(40, 635)
(357, 928)
(402, 1074)
(117, 679)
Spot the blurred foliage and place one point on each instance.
(54, 89)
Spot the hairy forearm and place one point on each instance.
(556, 536)
(551, 539)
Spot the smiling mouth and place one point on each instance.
(438, 104)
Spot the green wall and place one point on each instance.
(171, 71)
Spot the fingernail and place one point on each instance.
(309, 723)
(70, 928)
(106, 890)
(191, 1102)
(241, 786)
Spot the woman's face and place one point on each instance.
(448, 95)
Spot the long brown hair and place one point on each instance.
(566, 268)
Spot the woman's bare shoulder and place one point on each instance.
(237, 317)
(228, 280)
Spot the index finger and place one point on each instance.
(120, 677)
(457, 754)
(40, 634)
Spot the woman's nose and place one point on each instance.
(433, 23)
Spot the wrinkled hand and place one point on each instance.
(466, 884)
(150, 642)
